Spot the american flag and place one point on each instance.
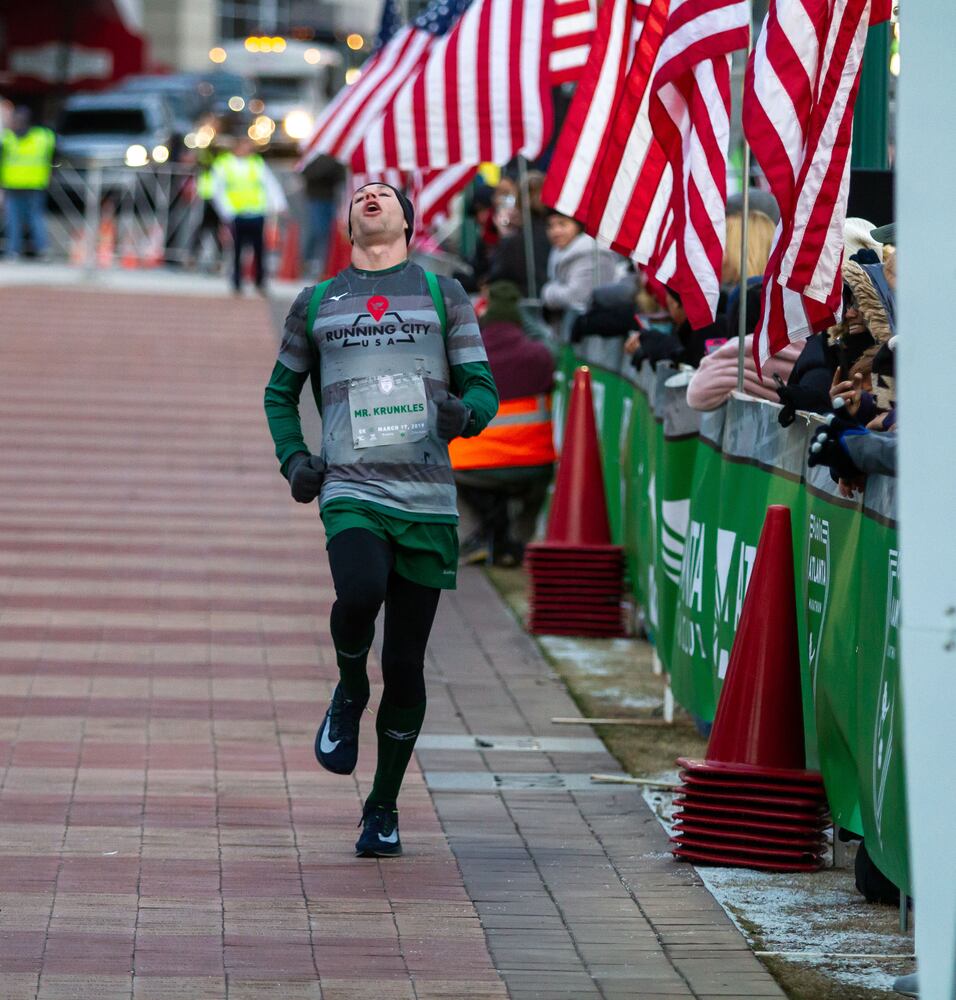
(586, 144)
(574, 24)
(399, 54)
(799, 92)
(642, 161)
(690, 118)
(481, 95)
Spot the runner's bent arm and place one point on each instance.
(290, 374)
(471, 377)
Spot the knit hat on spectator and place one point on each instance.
(502, 306)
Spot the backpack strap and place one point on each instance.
(318, 294)
(438, 299)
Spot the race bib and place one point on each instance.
(387, 409)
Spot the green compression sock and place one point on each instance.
(353, 675)
(397, 729)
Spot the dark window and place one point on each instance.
(120, 121)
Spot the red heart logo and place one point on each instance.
(377, 305)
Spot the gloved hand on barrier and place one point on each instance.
(798, 397)
(829, 447)
(305, 474)
(452, 418)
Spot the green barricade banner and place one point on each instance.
(687, 495)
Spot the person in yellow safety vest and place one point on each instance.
(245, 191)
(503, 473)
(210, 222)
(26, 164)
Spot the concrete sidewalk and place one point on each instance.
(164, 660)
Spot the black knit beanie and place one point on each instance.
(408, 209)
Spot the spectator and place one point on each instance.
(26, 165)
(682, 345)
(245, 191)
(865, 323)
(760, 230)
(576, 265)
(612, 311)
(503, 474)
(508, 262)
(205, 187)
(481, 208)
(324, 177)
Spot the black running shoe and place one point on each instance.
(379, 837)
(336, 742)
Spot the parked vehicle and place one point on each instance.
(114, 128)
(179, 90)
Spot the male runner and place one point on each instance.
(398, 369)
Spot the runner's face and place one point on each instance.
(376, 215)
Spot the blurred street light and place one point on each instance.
(352, 74)
(236, 103)
(312, 56)
(160, 154)
(355, 41)
(217, 55)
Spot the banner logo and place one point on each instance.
(883, 747)
(818, 589)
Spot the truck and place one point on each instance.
(292, 81)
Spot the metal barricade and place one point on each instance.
(103, 215)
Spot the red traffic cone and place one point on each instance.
(579, 509)
(340, 252)
(290, 266)
(759, 721)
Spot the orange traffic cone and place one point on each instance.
(577, 575)
(340, 252)
(579, 509)
(750, 803)
(106, 243)
(290, 265)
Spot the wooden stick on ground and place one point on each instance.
(626, 779)
(560, 721)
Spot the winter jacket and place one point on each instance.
(575, 271)
(508, 258)
(716, 378)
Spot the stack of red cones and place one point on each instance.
(577, 575)
(751, 803)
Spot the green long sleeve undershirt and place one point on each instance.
(472, 382)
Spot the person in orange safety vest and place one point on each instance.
(503, 473)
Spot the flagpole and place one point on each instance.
(744, 237)
(526, 230)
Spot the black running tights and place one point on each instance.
(364, 576)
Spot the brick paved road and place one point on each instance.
(165, 833)
(163, 661)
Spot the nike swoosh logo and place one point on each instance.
(325, 744)
(335, 298)
(392, 838)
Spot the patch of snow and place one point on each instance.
(630, 700)
(804, 912)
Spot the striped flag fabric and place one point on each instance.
(574, 24)
(399, 54)
(799, 93)
(642, 161)
(690, 118)
(589, 151)
(482, 94)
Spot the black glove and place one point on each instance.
(452, 418)
(828, 448)
(305, 474)
(798, 397)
